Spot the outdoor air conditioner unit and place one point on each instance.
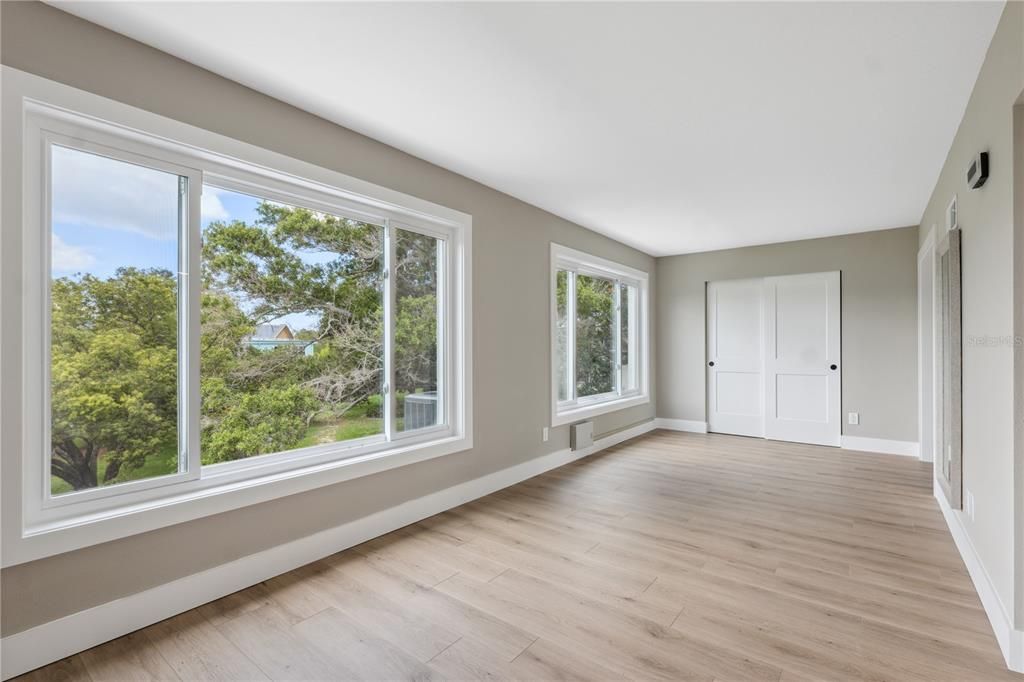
(581, 436)
(420, 410)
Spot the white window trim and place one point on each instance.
(29, 532)
(566, 412)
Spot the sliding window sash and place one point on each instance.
(617, 335)
(445, 329)
(190, 197)
(444, 334)
(388, 378)
(570, 337)
(37, 319)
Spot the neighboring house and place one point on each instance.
(271, 336)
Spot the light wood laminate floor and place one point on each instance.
(672, 556)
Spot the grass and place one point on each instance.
(58, 486)
(159, 464)
(336, 429)
(163, 463)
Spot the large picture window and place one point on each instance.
(295, 306)
(599, 342)
(207, 324)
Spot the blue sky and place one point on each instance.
(109, 214)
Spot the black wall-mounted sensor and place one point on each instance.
(977, 172)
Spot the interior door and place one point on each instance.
(802, 372)
(735, 357)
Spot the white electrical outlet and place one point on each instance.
(544, 434)
(855, 418)
(969, 504)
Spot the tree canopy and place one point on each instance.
(113, 373)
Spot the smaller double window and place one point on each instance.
(599, 349)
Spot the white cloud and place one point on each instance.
(69, 258)
(213, 207)
(98, 192)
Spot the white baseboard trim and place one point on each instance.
(681, 425)
(1011, 640)
(49, 642)
(884, 446)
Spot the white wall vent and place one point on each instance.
(581, 436)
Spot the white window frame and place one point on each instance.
(38, 113)
(576, 409)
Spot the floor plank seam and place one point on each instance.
(499, 575)
(524, 650)
(443, 650)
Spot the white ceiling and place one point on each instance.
(671, 127)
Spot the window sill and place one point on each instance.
(581, 412)
(47, 539)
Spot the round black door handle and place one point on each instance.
(833, 366)
(711, 364)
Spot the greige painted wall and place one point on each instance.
(510, 317)
(879, 318)
(987, 220)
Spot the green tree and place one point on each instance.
(594, 330)
(264, 262)
(113, 373)
(595, 309)
(289, 260)
(415, 312)
(270, 420)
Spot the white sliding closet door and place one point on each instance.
(802, 372)
(735, 357)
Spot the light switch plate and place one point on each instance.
(544, 434)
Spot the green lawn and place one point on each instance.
(333, 430)
(160, 464)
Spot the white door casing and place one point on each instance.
(926, 346)
(802, 358)
(735, 359)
